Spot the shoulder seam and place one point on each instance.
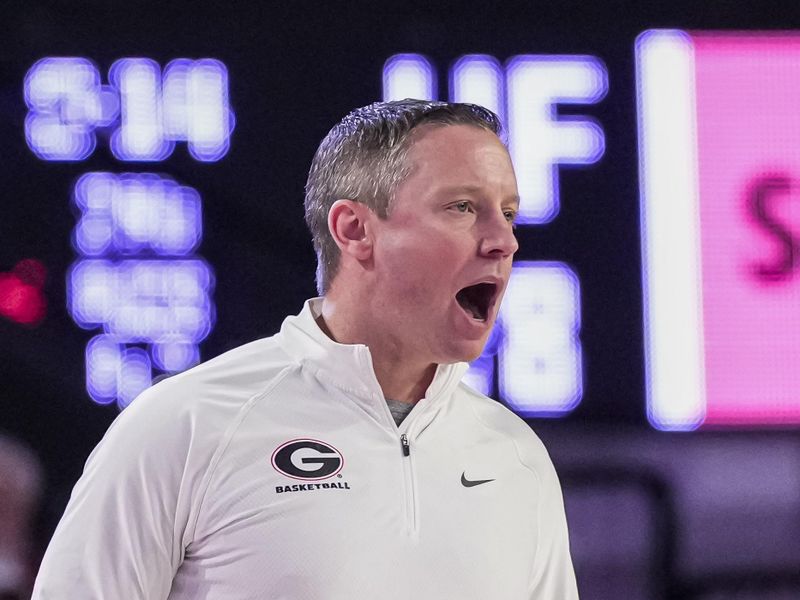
(513, 442)
(228, 436)
(535, 475)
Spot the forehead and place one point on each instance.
(459, 155)
(431, 135)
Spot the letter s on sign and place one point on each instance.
(761, 198)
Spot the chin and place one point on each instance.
(466, 352)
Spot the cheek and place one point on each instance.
(429, 266)
(418, 264)
(420, 253)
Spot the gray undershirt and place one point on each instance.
(399, 409)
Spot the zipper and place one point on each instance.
(411, 493)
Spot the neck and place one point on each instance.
(401, 375)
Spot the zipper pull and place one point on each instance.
(406, 447)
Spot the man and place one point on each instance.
(280, 470)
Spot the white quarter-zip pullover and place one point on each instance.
(276, 471)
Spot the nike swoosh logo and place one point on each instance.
(467, 483)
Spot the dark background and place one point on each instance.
(294, 70)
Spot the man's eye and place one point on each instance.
(462, 206)
(510, 216)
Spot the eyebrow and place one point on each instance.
(471, 189)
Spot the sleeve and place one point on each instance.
(553, 577)
(122, 533)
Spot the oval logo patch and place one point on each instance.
(307, 459)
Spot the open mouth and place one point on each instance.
(477, 299)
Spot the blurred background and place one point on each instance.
(152, 173)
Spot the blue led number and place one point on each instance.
(539, 362)
(195, 107)
(536, 342)
(140, 135)
(138, 280)
(64, 107)
(145, 111)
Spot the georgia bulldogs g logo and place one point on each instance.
(322, 459)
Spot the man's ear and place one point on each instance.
(349, 224)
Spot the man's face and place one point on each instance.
(443, 256)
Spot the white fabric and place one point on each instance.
(180, 499)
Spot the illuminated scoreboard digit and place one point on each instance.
(137, 278)
(535, 347)
(720, 163)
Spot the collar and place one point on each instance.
(349, 366)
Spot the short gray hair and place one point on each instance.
(363, 158)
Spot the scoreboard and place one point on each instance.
(720, 224)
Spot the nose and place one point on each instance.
(498, 239)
